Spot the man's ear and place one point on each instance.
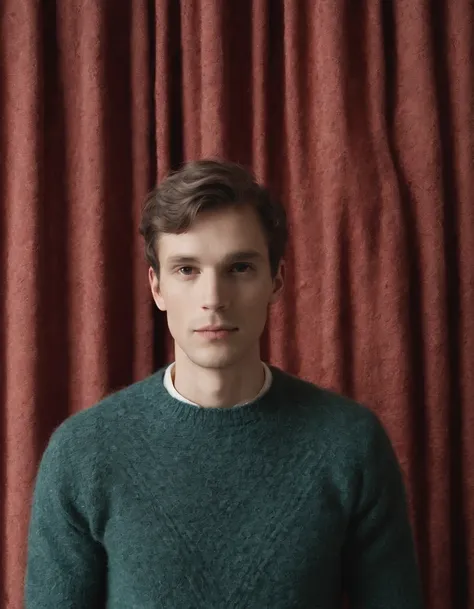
(154, 282)
(278, 282)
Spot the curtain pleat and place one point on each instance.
(77, 131)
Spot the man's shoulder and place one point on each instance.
(348, 431)
(313, 398)
(83, 445)
(323, 408)
(93, 423)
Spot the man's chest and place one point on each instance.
(245, 537)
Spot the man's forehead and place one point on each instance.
(215, 236)
(192, 243)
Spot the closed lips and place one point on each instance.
(216, 329)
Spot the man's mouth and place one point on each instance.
(216, 332)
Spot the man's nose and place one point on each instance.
(215, 291)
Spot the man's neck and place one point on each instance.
(218, 388)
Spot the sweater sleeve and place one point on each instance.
(380, 568)
(65, 564)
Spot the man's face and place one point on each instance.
(216, 274)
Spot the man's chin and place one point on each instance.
(216, 361)
(217, 364)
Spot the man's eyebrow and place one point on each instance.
(232, 257)
(244, 255)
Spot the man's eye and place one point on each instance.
(186, 270)
(241, 267)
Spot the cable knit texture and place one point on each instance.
(143, 501)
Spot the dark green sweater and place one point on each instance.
(144, 501)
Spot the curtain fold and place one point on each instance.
(358, 116)
(76, 134)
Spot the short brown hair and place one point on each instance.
(209, 184)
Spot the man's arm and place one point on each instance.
(380, 565)
(65, 565)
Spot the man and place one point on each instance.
(220, 481)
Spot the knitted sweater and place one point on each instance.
(145, 502)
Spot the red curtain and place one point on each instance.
(360, 117)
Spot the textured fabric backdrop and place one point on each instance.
(360, 117)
